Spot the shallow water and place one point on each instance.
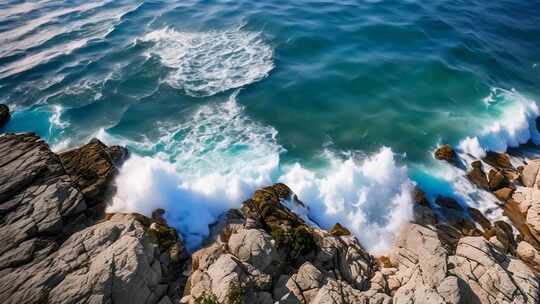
(343, 100)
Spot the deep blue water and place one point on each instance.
(343, 100)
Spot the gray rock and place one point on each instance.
(52, 252)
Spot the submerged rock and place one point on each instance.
(4, 115)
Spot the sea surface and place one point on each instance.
(344, 101)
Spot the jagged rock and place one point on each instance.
(445, 152)
(272, 266)
(253, 246)
(4, 115)
(52, 253)
(92, 167)
(477, 175)
(491, 277)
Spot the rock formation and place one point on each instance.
(445, 152)
(58, 248)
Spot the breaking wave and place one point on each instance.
(217, 159)
(516, 124)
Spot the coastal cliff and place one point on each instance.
(59, 245)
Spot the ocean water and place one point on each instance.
(344, 101)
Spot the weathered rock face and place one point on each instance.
(58, 247)
(272, 255)
(4, 115)
(93, 167)
(52, 252)
(433, 261)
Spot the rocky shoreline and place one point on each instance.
(59, 245)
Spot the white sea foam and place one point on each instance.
(371, 197)
(515, 126)
(203, 167)
(210, 62)
(220, 156)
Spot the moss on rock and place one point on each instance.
(339, 230)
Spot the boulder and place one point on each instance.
(529, 174)
(529, 255)
(445, 152)
(4, 115)
(501, 161)
(478, 217)
(504, 194)
(497, 180)
(477, 175)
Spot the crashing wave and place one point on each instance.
(515, 126)
(217, 159)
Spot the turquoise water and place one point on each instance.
(226, 96)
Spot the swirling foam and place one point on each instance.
(207, 63)
(219, 157)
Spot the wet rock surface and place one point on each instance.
(445, 152)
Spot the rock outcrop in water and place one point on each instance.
(57, 244)
(60, 247)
